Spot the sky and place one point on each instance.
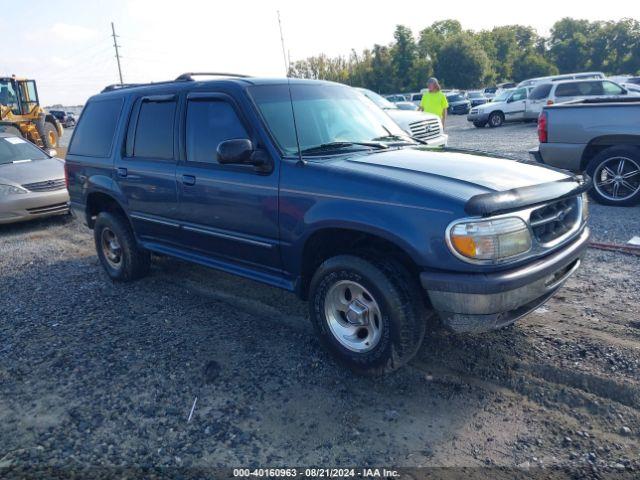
(69, 51)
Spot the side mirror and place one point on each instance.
(52, 152)
(241, 151)
(235, 151)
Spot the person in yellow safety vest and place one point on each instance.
(434, 101)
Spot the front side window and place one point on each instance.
(611, 88)
(94, 134)
(519, 94)
(154, 130)
(210, 122)
(8, 96)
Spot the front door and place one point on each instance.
(516, 105)
(228, 212)
(145, 172)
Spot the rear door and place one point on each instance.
(229, 212)
(145, 169)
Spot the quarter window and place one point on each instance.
(96, 128)
(210, 122)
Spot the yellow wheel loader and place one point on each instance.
(21, 113)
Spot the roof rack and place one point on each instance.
(189, 75)
(118, 86)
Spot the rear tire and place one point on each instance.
(616, 176)
(50, 135)
(117, 249)
(395, 315)
(479, 124)
(496, 119)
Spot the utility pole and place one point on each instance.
(115, 45)
(284, 54)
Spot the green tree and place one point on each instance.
(569, 45)
(532, 65)
(462, 63)
(403, 57)
(433, 37)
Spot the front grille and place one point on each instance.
(554, 220)
(56, 208)
(474, 111)
(46, 186)
(425, 129)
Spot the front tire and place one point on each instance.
(50, 135)
(496, 119)
(616, 176)
(370, 316)
(117, 249)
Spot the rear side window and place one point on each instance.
(541, 91)
(579, 89)
(210, 122)
(94, 134)
(154, 130)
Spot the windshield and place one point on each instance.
(379, 100)
(324, 114)
(476, 94)
(457, 97)
(13, 149)
(502, 96)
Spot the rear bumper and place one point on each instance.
(479, 302)
(28, 206)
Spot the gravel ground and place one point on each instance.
(96, 376)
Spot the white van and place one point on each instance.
(550, 93)
(561, 78)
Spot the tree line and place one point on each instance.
(467, 59)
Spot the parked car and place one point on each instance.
(508, 106)
(396, 97)
(490, 92)
(65, 120)
(477, 98)
(426, 127)
(406, 106)
(32, 181)
(568, 90)
(72, 118)
(560, 78)
(379, 233)
(632, 88)
(415, 98)
(599, 136)
(459, 104)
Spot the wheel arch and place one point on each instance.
(598, 144)
(99, 201)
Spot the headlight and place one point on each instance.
(11, 190)
(489, 241)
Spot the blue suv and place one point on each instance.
(306, 186)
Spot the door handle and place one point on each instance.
(188, 180)
(121, 171)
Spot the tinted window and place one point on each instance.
(541, 91)
(94, 134)
(154, 130)
(210, 122)
(611, 88)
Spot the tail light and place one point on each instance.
(549, 102)
(542, 127)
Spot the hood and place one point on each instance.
(490, 105)
(459, 102)
(492, 174)
(31, 172)
(406, 117)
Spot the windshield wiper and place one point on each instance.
(337, 145)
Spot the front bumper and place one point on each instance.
(439, 141)
(480, 302)
(28, 206)
(478, 117)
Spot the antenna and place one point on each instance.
(115, 45)
(284, 55)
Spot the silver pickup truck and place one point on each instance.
(600, 137)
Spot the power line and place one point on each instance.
(115, 45)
